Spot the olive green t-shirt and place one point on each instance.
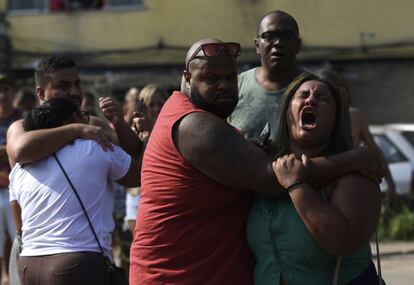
(257, 110)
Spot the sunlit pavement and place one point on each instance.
(397, 262)
(398, 269)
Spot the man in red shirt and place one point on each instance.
(196, 176)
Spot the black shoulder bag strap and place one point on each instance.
(107, 260)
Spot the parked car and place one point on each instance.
(399, 153)
(403, 134)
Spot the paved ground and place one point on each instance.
(397, 262)
(398, 270)
(394, 248)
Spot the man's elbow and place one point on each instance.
(133, 176)
(17, 153)
(131, 180)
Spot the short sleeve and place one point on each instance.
(119, 163)
(12, 193)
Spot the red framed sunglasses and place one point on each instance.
(215, 49)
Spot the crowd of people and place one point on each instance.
(251, 178)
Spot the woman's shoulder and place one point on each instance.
(357, 180)
(353, 183)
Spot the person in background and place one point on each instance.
(25, 101)
(8, 115)
(261, 88)
(89, 103)
(359, 128)
(129, 105)
(73, 5)
(153, 98)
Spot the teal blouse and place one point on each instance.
(282, 245)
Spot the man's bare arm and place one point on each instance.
(16, 212)
(324, 170)
(127, 139)
(133, 177)
(216, 149)
(26, 147)
(369, 141)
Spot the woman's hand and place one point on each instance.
(141, 124)
(290, 170)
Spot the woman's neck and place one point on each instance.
(310, 151)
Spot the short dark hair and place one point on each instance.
(51, 64)
(53, 113)
(280, 13)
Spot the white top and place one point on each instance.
(53, 220)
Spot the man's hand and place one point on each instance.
(290, 170)
(368, 163)
(95, 133)
(262, 141)
(111, 109)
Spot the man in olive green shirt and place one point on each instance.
(261, 88)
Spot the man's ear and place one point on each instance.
(187, 77)
(299, 46)
(40, 92)
(256, 43)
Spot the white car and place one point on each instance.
(399, 153)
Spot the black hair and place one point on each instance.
(51, 64)
(279, 12)
(52, 113)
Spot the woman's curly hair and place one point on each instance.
(52, 113)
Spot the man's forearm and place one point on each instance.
(128, 140)
(16, 212)
(34, 145)
(324, 170)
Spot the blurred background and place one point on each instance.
(123, 43)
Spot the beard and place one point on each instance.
(222, 110)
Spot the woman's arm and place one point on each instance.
(345, 223)
(26, 147)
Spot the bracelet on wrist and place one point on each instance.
(294, 184)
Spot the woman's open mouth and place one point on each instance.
(308, 119)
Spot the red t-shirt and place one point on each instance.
(190, 229)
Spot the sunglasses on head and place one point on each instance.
(215, 49)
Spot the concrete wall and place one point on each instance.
(329, 28)
(382, 89)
